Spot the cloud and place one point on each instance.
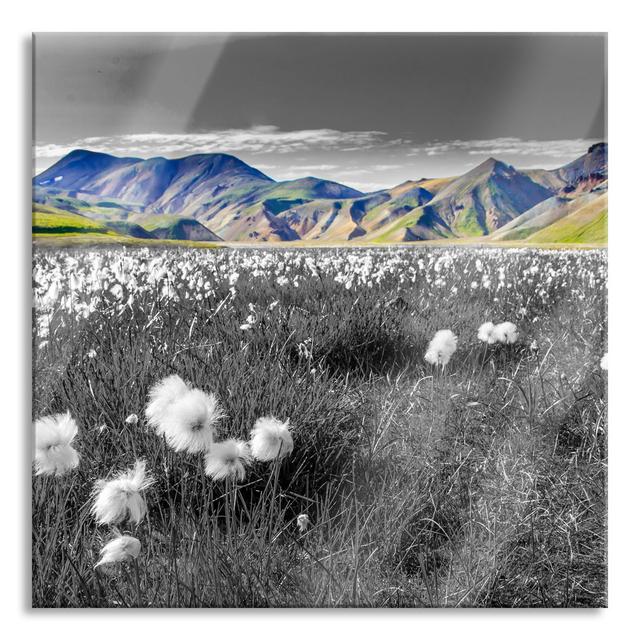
(272, 140)
(326, 153)
(260, 139)
(508, 146)
(315, 167)
(363, 170)
(368, 187)
(265, 167)
(386, 167)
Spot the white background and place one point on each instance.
(21, 18)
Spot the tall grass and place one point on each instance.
(483, 484)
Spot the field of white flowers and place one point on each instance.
(257, 428)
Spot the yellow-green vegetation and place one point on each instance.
(85, 239)
(467, 224)
(49, 220)
(112, 238)
(395, 231)
(586, 225)
(151, 222)
(585, 229)
(55, 227)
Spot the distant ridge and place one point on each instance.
(217, 196)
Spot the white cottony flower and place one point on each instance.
(186, 417)
(303, 521)
(248, 323)
(441, 347)
(506, 332)
(121, 497)
(486, 333)
(227, 459)
(189, 423)
(120, 549)
(131, 419)
(604, 362)
(54, 453)
(270, 439)
(162, 394)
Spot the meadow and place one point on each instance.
(477, 483)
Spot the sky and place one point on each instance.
(367, 110)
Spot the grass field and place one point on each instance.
(49, 220)
(583, 226)
(478, 484)
(88, 240)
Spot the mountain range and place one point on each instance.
(218, 197)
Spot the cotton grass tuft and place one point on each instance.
(441, 347)
(486, 333)
(227, 460)
(120, 549)
(163, 394)
(303, 521)
(121, 497)
(54, 453)
(186, 417)
(506, 332)
(270, 439)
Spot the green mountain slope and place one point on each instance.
(176, 228)
(130, 229)
(486, 198)
(586, 225)
(542, 215)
